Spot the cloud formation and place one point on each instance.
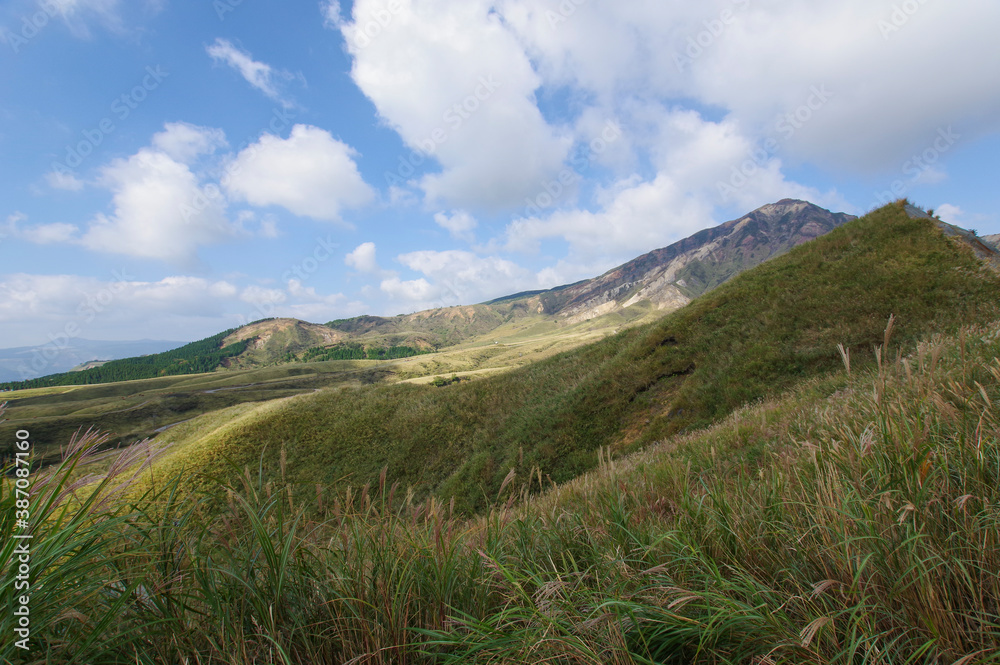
(310, 174)
(260, 75)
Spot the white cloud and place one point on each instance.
(416, 292)
(309, 305)
(459, 277)
(363, 259)
(184, 142)
(950, 213)
(460, 224)
(116, 307)
(260, 75)
(40, 234)
(310, 174)
(453, 81)
(47, 234)
(256, 295)
(761, 62)
(64, 180)
(79, 15)
(161, 210)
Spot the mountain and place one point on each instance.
(666, 278)
(843, 511)
(753, 337)
(642, 289)
(274, 340)
(671, 277)
(29, 362)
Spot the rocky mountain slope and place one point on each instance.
(668, 278)
(673, 276)
(273, 340)
(661, 281)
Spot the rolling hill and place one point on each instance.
(821, 516)
(756, 335)
(642, 289)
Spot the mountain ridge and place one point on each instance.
(666, 278)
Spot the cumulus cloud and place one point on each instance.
(363, 259)
(260, 75)
(951, 214)
(64, 180)
(40, 234)
(455, 277)
(761, 63)
(118, 306)
(310, 174)
(418, 293)
(184, 142)
(455, 83)
(256, 295)
(460, 224)
(160, 208)
(46, 234)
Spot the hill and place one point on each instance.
(754, 336)
(671, 277)
(662, 280)
(667, 278)
(852, 519)
(194, 358)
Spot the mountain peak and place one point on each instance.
(671, 277)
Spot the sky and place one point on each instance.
(170, 169)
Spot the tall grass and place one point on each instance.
(860, 528)
(757, 335)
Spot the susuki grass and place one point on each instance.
(857, 528)
(755, 336)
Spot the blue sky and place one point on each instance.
(173, 169)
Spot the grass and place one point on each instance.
(134, 410)
(854, 519)
(753, 337)
(803, 504)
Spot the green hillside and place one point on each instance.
(852, 520)
(752, 337)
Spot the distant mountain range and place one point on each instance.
(29, 362)
(651, 285)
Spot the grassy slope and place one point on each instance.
(853, 520)
(755, 335)
(133, 410)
